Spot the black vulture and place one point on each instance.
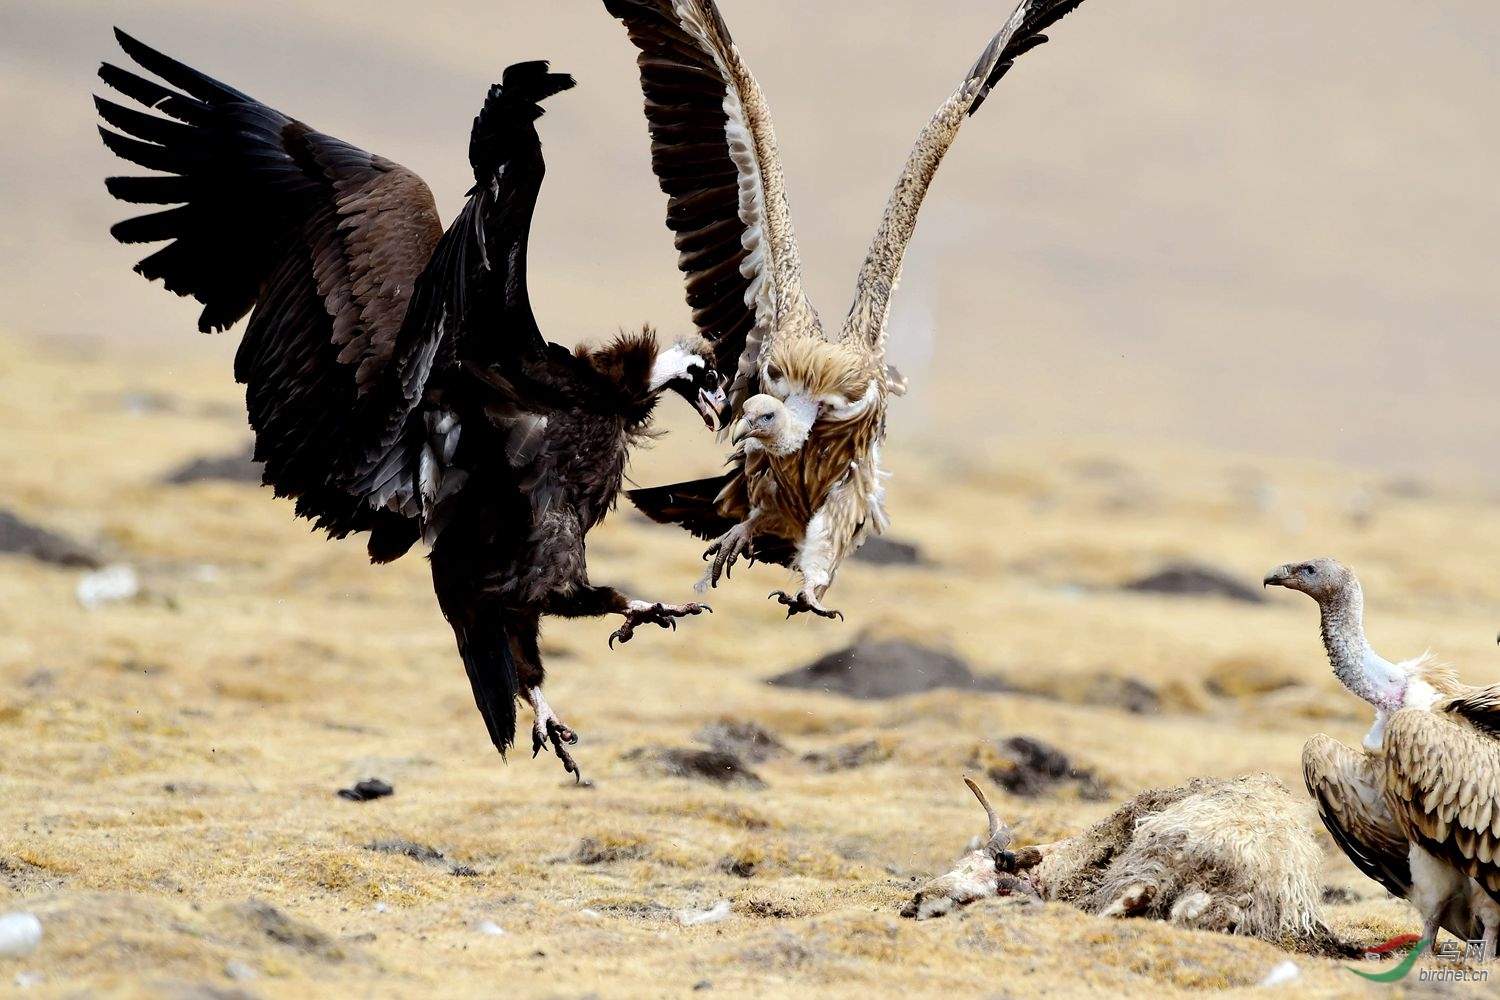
(395, 377)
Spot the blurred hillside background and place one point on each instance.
(1268, 227)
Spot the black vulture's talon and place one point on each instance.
(548, 728)
(643, 612)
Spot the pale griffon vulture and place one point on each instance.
(1418, 809)
(804, 488)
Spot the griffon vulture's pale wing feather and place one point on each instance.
(866, 322)
(714, 154)
(1345, 784)
(1443, 781)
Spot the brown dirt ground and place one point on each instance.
(167, 797)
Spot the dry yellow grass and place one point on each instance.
(167, 796)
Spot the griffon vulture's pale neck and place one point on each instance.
(1358, 667)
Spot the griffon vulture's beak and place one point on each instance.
(741, 431)
(1277, 577)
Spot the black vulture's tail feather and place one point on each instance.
(487, 656)
(691, 505)
(694, 506)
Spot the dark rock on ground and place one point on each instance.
(871, 670)
(371, 788)
(235, 467)
(593, 852)
(738, 867)
(1108, 690)
(848, 756)
(19, 537)
(266, 919)
(749, 740)
(718, 766)
(1134, 696)
(1033, 768)
(1243, 677)
(1195, 579)
(771, 909)
(413, 850)
(1339, 895)
(882, 551)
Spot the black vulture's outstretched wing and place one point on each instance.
(320, 241)
(355, 295)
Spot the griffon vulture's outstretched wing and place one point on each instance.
(714, 154)
(866, 322)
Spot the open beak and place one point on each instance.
(712, 406)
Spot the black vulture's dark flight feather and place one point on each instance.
(395, 377)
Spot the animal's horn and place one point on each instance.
(989, 810)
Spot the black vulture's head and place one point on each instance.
(687, 369)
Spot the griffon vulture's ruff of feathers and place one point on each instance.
(395, 377)
(809, 495)
(1418, 808)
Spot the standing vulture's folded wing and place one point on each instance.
(1346, 785)
(1443, 781)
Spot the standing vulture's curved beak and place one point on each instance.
(1277, 577)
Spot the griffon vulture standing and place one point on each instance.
(1419, 809)
(805, 487)
(395, 377)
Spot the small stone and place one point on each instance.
(20, 934)
(364, 791)
(235, 467)
(712, 915)
(240, 972)
(1282, 972)
(490, 927)
(110, 585)
(718, 766)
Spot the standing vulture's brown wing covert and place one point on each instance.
(395, 377)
